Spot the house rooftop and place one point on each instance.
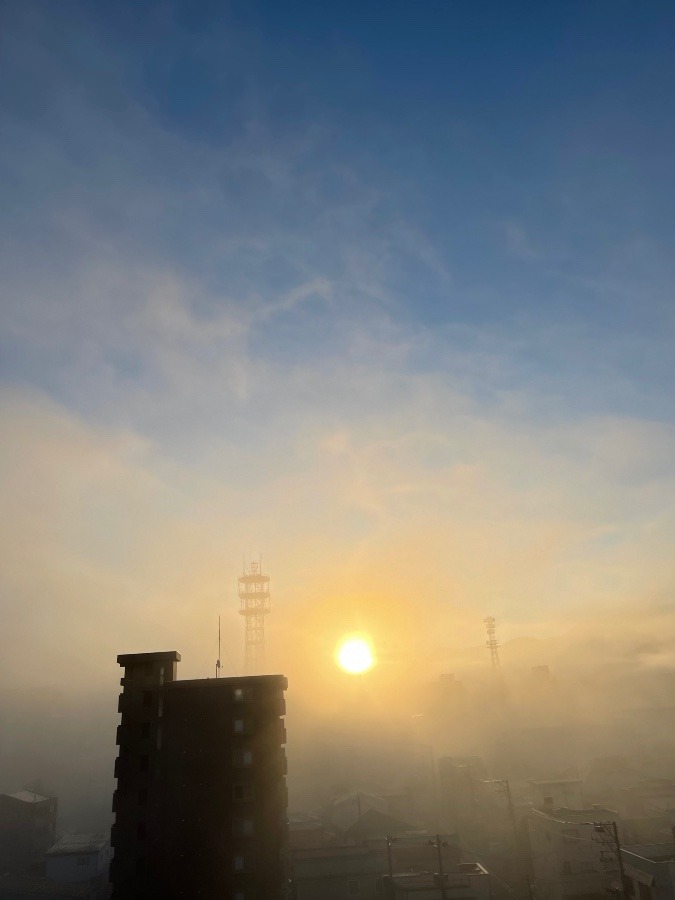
(78, 843)
(373, 822)
(28, 797)
(653, 852)
(577, 816)
(422, 881)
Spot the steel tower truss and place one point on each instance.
(492, 643)
(254, 594)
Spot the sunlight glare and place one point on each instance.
(355, 655)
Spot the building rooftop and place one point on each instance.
(28, 797)
(419, 881)
(79, 843)
(225, 682)
(126, 659)
(578, 816)
(304, 823)
(373, 822)
(653, 852)
(337, 851)
(546, 781)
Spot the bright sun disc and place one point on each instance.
(355, 655)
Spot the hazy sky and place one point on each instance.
(382, 290)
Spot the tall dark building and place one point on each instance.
(201, 792)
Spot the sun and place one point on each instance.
(355, 655)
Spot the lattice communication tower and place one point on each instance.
(492, 643)
(254, 594)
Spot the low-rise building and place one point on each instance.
(362, 871)
(650, 871)
(305, 832)
(557, 793)
(338, 872)
(78, 857)
(569, 857)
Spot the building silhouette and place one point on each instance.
(200, 805)
(27, 829)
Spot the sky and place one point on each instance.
(380, 291)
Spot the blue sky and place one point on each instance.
(352, 277)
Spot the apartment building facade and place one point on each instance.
(201, 793)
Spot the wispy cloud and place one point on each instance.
(213, 345)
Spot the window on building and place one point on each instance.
(147, 698)
(238, 864)
(239, 895)
(243, 726)
(243, 792)
(241, 758)
(243, 694)
(353, 887)
(83, 860)
(242, 827)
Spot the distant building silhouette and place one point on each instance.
(201, 794)
(27, 829)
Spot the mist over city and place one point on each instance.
(336, 398)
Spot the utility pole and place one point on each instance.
(611, 829)
(505, 788)
(390, 840)
(437, 844)
(472, 789)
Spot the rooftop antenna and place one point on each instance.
(218, 660)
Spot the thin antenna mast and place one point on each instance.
(218, 660)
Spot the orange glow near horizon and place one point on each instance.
(355, 655)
